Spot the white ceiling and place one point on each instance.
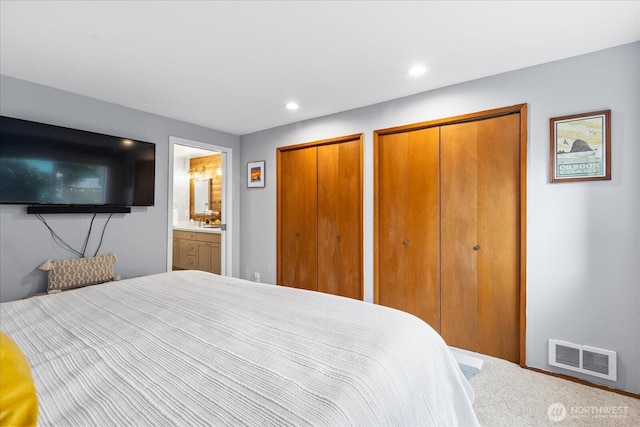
(233, 65)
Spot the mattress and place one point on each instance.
(191, 348)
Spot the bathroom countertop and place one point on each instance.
(198, 229)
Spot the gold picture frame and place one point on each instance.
(581, 147)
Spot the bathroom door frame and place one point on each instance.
(226, 242)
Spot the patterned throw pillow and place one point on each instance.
(75, 273)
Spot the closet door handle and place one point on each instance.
(405, 242)
(338, 237)
(477, 248)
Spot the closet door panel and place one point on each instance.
(498, 232)
(459, 198)
(480, 229)
(393, 204)
(423, 224)
(408, 271)
(328, 219)
(298, 224)
(340, 219)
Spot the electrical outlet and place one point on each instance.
(256, 276)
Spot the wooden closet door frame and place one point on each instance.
(514, 109)
(354, 137)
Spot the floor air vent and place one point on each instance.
(581, 358)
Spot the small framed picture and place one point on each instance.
(255, 174)
(581, 147)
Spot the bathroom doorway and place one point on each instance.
(192, 165)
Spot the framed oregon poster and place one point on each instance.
(581, 147)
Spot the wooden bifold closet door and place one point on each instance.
(320, 216)
(480, 200)
(409, 214)
(448, 228)
(297, 225)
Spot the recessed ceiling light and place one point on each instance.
(417, 70)
(292, 105)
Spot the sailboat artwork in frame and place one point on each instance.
(581, 147)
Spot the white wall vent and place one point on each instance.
(581, 358)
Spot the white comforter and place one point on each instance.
(195, 349)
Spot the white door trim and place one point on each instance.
(226, 236)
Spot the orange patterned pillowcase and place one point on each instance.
(75, 273)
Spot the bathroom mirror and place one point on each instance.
(201, 192)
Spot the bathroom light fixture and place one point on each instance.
(198, 173)
(292, 105)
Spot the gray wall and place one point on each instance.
(140, 238)
(583, 244)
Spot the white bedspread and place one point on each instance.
(195, 349)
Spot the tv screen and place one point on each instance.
(42, 164)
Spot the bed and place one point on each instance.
(191, 348)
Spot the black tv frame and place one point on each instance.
(81, 208)
(66, 209)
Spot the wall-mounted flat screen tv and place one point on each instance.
(42, 164)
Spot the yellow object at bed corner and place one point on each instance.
(18, 399)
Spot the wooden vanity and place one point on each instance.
(197, 249)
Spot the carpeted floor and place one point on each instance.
(507, 395)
